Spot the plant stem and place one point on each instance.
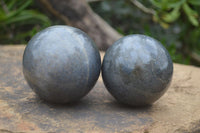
(142, 7)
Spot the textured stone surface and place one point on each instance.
(61, 64)
(137, 70)
(21, 111)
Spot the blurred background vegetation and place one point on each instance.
(173, 22)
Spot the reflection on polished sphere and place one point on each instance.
(61, 64)
(137, 70)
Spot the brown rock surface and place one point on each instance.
(178, 111)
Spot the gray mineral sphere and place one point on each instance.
(137, 70)
(61, 64)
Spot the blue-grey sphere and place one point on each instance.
(137, 70)
(61, 64)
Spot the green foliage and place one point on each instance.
(178, 17)
(170, 10)
(176, 55)
(185, 13)
(19, 21)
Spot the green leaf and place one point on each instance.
(25, 16)
(191, 14)
(156, 3)
(172, 16)
(194, 2)
(24, 6)
(11, 4)
(175, 4)
(167, 4)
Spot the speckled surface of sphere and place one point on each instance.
(137, 70)
(61, 64)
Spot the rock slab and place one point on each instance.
(178, 111)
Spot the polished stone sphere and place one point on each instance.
(61, 64)
(137, 70)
